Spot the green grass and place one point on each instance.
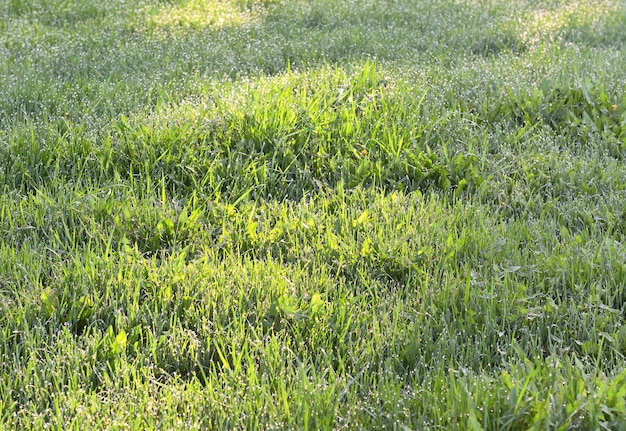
(289, 214)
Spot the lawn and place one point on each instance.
(312, 214)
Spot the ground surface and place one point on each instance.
(312, 214)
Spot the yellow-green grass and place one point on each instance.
(289, 214)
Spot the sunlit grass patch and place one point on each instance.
(200, 14)
(556, 23)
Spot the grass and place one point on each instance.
(286, 214)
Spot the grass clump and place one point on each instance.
(312, 215)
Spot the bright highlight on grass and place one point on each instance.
(562, 20)
(312, 214)
(199, 14)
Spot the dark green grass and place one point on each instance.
(312, 215)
